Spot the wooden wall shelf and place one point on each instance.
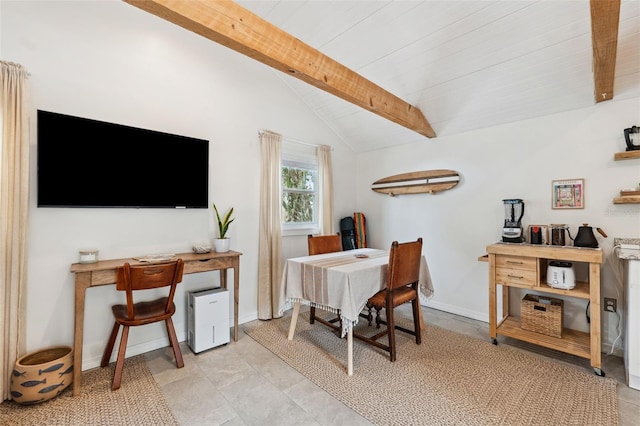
(626, 155)
(630, 199)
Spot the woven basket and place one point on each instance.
(542, 315)
(42, 375)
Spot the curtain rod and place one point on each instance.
(305, 143)
(16, 66)
(299, 141)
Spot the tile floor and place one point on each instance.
(243, 383)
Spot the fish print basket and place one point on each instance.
(42, 375)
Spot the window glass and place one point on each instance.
(298, 194)
(300, 189)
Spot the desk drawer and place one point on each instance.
(516, 277)
(193, 266)
(516, 262)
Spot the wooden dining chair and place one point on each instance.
(402, 287)
(135, 279)
(321, 244)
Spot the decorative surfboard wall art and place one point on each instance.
(424, 182)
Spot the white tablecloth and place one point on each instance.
(341, 282)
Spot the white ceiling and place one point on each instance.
(465, 64)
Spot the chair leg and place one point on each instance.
(173, 340)
(117, 374)
(108, 350)
(391, 330)
(312, 315)
(416, 320)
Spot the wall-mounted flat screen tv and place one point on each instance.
(90, 163)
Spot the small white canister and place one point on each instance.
(88, 255)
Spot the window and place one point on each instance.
(300, 188)
(298, 194)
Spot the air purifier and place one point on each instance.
(207, 318)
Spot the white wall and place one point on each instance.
(113, 62)
(512, 161)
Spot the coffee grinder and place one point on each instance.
(512, 230)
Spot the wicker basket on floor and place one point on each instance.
(542, 315)
(42, 375)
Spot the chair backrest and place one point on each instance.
(324, 244)
(145, 277)
(404, 264)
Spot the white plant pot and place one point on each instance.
(221, 245)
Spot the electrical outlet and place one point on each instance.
(610, 304)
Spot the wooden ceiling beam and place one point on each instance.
(605, 16)
(233, 26)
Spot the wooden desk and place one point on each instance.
(104, 273)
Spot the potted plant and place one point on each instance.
(221, 244)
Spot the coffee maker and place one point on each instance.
(512, 230)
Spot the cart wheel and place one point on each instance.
(598, 372)
(494, 341)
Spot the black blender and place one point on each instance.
(512, 230)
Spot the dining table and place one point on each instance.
(340, 282)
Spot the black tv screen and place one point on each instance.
(90, 163)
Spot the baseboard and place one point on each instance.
(480, 316)
(141, 348)
(617, 350)
(132, 350)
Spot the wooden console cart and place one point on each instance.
(525, 266)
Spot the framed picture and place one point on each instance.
(544, 234)
(567, 194)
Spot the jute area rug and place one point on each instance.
(139, 401)
(450, 379)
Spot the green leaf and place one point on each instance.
(223, 224)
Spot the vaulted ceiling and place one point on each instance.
(465, 64)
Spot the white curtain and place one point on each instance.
(14, 211)
(326, 192)
(270, 251)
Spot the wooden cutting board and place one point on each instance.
(423, 182)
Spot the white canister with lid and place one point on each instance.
(88, 255)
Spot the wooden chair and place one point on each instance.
(321, 244)
(402, 287)
(135, 279)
